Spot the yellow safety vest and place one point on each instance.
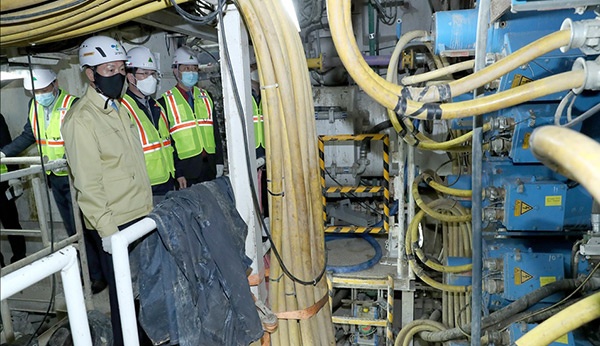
(51, 141)
(259, 124)
(158, 152)
(192, 131)
(3, 169)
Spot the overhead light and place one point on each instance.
(288, 5)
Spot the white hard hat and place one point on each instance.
(185, 56)
(98, 50)
(141, 57)
(41, 79)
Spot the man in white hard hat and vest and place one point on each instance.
(150, 119)
(105, 156)
(192, 124)
(47, 109)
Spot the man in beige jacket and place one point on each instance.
(105, 155)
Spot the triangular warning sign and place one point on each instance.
(521, 276)
(521, 207)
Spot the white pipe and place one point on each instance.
(33, 169)
(119, 243)
(65, 261)
(23, 160)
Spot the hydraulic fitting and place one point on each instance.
(592, 74)
(585, 35)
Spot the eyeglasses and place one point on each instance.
(148, 74)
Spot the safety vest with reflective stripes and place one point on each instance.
(192, 131)
(158, 152)
(51, 141)
(259, 124)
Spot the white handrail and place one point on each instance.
(119, 243)
(65, 261)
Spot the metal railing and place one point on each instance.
(65, 262)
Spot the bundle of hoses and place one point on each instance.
(294, 193)
(63, 19)
(418, 102)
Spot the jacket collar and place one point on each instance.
(98, 101)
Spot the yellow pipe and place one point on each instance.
(427, 76)
(388, 97)
(409, 330)
(33, 28)
(571, 153)
(432, 145)
(412, 237)
(343, 26)
(430, 211)
(105, 24)
(569, 319)
(429, 179)
(40, 11)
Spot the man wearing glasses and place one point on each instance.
(150, 119)
(192, 124)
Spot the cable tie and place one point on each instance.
(276, 85)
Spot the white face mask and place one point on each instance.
(147, 86)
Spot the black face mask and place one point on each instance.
(111, 87)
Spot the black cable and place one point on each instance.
(39, 146)
(202, 20)
(238, 104)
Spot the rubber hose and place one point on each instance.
(361, 266)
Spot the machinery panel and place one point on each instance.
(535, 205)
(526, 272)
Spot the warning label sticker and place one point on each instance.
(521, 276)
(519, 80)
(521, 207)
(526, 138)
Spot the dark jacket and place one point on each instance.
(192, 281)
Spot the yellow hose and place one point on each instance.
(410, 329)
(35, 13)
(571, 153)
(416, 268)
(387, 93)
(34, 28)
(430, 211)
(430, 180)
(569, 319)
(427, 76)
(46, 37)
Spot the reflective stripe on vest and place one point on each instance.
(192, 131)
(50, 139)
(259, 124)
(158, 152)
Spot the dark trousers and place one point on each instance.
(106, 263)
(10, 220)
(62, 196)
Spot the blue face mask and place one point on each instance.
(189, 79)
(45, 99)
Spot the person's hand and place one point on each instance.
(182, 183)
(107, 245)
(220, 169)
(15, 189)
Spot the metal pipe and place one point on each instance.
(38, 255)
(62, 163)
(64, 261)
(483, 16)
(119, 243)
(23, 160)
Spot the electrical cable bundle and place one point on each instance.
(292, 167)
